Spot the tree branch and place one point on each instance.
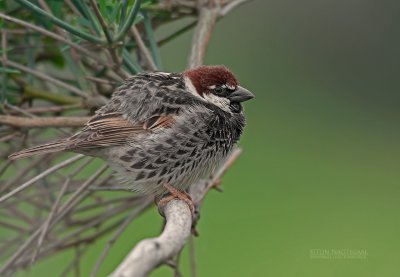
(150, 253)
(208, 13)
(41, 122)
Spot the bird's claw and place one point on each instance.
(181, 195)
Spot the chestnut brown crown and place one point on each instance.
(217, 82)
(206, 77)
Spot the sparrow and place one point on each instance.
(162, 132)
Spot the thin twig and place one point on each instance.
(31, 116)
(103, 24)
(40, 176)
(71, 265)
(192, 257)
(73, 8)
(75, 198)
(41, 122)
(177, 33)
(4, 47)
(102, 204)
(198, 195)
(56, 206)
(49, 109)
(49, 217)
(150, 253)
(46, 77)
(230, 6)
(145, 54)
(118, 233)
(8, 137)
(101, 81)
(54, 36)
(12, 226)
(22, 173)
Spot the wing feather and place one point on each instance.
(112, 129)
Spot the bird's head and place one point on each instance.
(217, 85)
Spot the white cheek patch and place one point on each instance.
(220, 102)
(190, 87)
(231, 87)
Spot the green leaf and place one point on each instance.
(84, 22)
(71, 29)
(129, 21)
(130, 64)
(139, 18)
(113, 15)
(56, 7)
(103, 7)
(152, 41)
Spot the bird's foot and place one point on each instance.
(181, 195)
(176, 194)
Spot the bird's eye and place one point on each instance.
(220, 91)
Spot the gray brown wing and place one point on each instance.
(103, 130)
(112, 129)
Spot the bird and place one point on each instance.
(162, 132)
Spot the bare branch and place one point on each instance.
(208, 13)
(46, 77)
(144, 53)
(118, 233)
(150, 253)
(49, 217)
(40, 176)
(192, 256)
(78, 195)
(41, 122)
(48, 109)
(230, 6)
(102, 22)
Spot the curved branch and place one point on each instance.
(150, 253)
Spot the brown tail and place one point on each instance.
(51, 147)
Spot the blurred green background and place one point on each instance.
(320, 168)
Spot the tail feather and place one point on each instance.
(51, 147)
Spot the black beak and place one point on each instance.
(240, 95)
